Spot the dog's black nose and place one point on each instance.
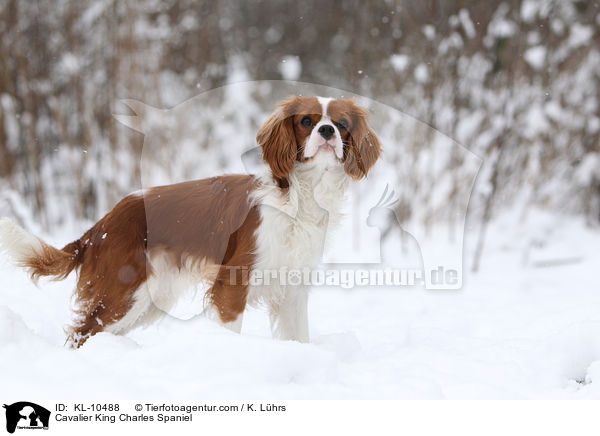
(326, 131)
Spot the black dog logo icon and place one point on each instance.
(33, 416)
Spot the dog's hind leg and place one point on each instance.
(110, 298)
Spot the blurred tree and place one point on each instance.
(524, 74)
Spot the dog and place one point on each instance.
(135, 262)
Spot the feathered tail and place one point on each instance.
(39, 258)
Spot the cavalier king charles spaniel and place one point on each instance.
(223, 231)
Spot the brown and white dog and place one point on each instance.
(134, 263)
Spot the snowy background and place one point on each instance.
(491, 105)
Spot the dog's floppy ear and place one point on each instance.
(278, 141)
(363, 148)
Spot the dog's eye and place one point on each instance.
(306, 122)
(343, 124)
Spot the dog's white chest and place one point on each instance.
(294, 227)
(292, 242)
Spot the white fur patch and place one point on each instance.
(324, 103)
(18, 243)
(179, 291)
(138, 193)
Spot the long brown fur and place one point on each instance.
(208, 219)
(53, 262)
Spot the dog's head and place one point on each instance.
(309, 130)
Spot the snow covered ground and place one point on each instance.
(526, 326)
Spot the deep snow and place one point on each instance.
(526, 326)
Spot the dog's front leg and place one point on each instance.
(289, 315)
